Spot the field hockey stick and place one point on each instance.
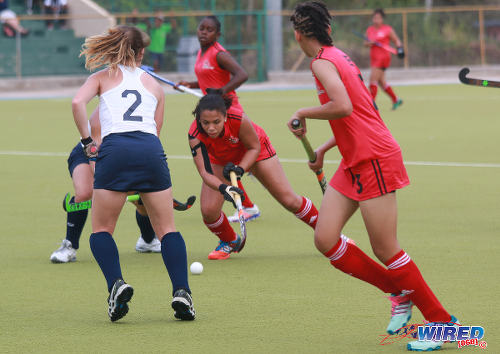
(462, 75)
(239, 206)
(182, 88)
(72, 207)
(320, 175)
(378, 44)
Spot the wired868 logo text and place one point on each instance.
(464, 336)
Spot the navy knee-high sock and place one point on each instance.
(106, 254)
(74, 225)
(173, 251)
(147, 232)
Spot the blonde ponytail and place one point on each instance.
(121, 45)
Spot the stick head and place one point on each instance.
(296, 124)
(462, 75)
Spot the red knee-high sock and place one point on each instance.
(307, 213)
(373, 90)
(247, 203)
(388, 90)
(222, 229)
(406, 276)
(348, 258)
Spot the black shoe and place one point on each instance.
(182, 303)
(120, 294)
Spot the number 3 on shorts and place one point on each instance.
(138, 99)
(355, 179)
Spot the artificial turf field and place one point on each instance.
(279, 294)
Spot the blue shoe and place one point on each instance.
(400, 312)
(224, 249)
(427, 346)
(396, 104)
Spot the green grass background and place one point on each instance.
(279, 295)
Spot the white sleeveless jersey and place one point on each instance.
(128, 106)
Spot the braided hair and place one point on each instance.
(312, 19)
(212, 101)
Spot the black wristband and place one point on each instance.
(86, 141)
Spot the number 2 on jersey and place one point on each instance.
(128, 114)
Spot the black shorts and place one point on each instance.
(76, 157)
(132, 161)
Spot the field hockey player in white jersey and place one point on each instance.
(130, 158)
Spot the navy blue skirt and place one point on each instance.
(132, 161)
(76, 157)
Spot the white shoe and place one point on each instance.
(144, 247)
(426, 345)
(64, 254)
(249, 214)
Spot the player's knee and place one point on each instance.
(141, 209)
(83, 194)
(210, 213)
(321, 240)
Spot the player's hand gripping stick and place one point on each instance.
(320, 175)
(239, 206)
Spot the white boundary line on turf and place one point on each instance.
(335, 162)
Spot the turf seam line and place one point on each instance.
(284, 159)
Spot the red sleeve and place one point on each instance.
(193, 130)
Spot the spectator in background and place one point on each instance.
(56, 7)
(158, 35)
(140, 23)
(9, 20)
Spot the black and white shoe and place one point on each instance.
(120, 294)
(182, 303)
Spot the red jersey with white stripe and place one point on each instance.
(210, 74)
(228, 147)
(382, 35)
(361, 136)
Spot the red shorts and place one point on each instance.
(266, 151)
(380, 61)
(371, 179)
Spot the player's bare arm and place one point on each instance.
(203, 165)
(79, 103)
(154, 87)
(320, 154)
(394, 37)
(95, 126)
(250, 140)
(189, 84)
(238, 74)
(339, 106)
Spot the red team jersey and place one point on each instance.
(211, 75)
(228, 147)
(379, 58)
(365, 143)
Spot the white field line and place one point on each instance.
(287, 160)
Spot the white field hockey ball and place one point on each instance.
(196, 268)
